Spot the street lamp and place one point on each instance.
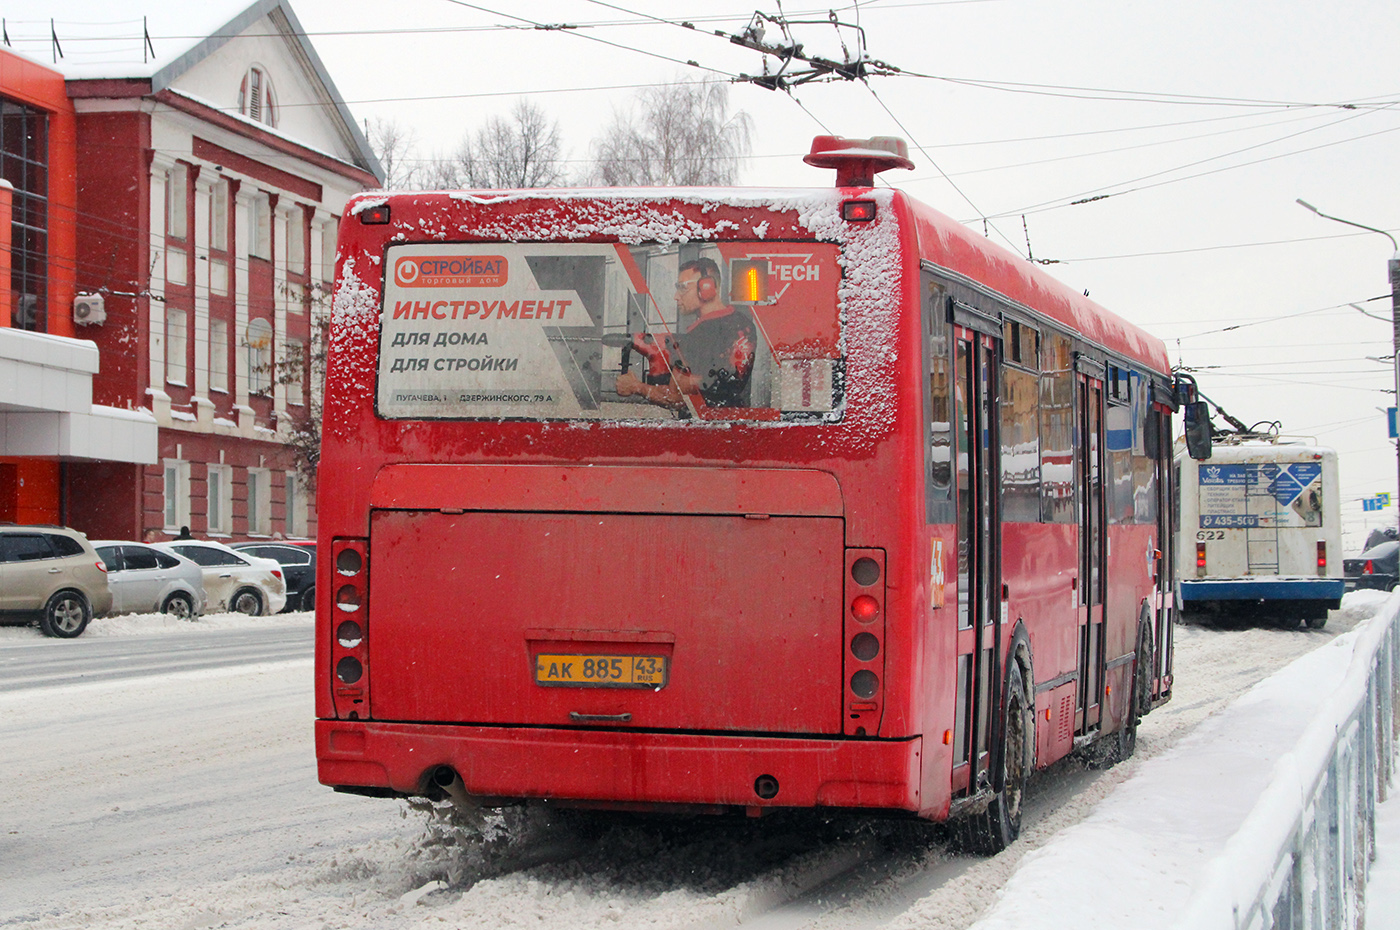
(1393, 270)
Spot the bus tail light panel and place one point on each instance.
(863, 686)
(349, 669)
(1200, 560)
(1321, 557)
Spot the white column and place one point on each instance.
(160, 401)
(203, 407)
(243, 233)
(284, 218)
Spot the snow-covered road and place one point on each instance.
(190, 800)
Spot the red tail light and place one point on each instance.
(1369, 569)
(350, 626)
(1321, 557)
(102, 566)
(1200, 559)
(277, 572)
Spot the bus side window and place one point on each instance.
(1020, 428)
(1057, 429)
(938, 420)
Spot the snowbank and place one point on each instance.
(143, 624)
(1196, 833)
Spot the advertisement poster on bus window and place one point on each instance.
(1260, 495)
(734, 331)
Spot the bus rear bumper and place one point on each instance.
(1271, 588)
(620, 767)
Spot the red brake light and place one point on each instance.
(858, 211)
(277, 572)
(102, 566)
(1369, 569)
(865, 608)
(377, 215)
(1321, 555)
(1200, 555)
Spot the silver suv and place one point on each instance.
(53, 573)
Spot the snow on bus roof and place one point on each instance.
(871, 252)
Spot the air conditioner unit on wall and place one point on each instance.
(89, 310)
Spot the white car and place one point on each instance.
(144, 579)
(233, 580)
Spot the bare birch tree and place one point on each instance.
(522, 150)
(678, 135)
(394, 146)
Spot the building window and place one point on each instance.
(218, 217)
(24, 140)
(328, 234)
(255, 97)
(176, 202)
(259, 501)
(177, 495)
(176, 344)
(218, 355)
(258, 342)
(220, 498)
(295, 521)
(294, 376)
(259, 226)
(296, 242)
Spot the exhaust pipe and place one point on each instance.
(445, 777)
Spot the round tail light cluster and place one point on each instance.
(349, 652)
(865, 631)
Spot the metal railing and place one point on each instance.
(1301, 858)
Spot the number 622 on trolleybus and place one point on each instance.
(730, 500)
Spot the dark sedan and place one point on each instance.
(1377, 568)
(298, 561)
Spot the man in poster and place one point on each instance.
(711, 359)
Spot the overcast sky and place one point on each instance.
(1203, 120)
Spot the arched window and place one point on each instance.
(258, 344)
(255, 97)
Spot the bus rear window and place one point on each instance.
(744, 331)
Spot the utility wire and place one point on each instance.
(1106, 191)
(1014, 247)
(591, 38)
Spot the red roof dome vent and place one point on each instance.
(857, 161)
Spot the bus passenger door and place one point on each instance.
(979, 558)
(1092, 551)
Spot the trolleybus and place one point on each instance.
(1262, 531)
(730, 500)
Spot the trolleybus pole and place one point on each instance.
(1393, 273)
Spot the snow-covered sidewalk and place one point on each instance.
(1383, 887)
(1165, 833)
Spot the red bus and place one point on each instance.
(730, 500)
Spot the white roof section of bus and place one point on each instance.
(1259, 451)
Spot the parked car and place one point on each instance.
(298, 561)
(233, 580)
(1378, 568)
(143, 579)
(52, 574)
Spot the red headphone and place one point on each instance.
(706, 288)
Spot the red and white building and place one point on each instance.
(210, 174)
(48, 421)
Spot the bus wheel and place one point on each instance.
(1317, 623)
(994, 829)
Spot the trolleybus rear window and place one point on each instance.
(727, 331)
